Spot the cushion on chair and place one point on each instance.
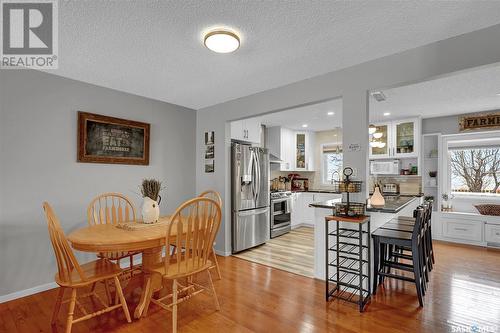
(488, 209)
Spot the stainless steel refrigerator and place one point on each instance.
(249, 196)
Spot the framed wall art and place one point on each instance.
(103, 139)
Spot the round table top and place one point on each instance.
(109, 238)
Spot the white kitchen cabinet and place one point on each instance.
(304, 151)
(280, 142)
(464, 229)
(401, 139)
(492, 233)
(302, 214)
(247, 130)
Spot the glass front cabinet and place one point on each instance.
(304, 151)
(396, 139)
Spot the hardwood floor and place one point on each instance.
(464, 290)
(292, 252)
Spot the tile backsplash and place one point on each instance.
(407, 184)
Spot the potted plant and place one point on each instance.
(150, 189)
(446, 205)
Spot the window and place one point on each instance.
(474, 168)
(331, 155)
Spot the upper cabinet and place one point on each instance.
(304, 151)
(248, 130)
(294, 149)
(400, 139)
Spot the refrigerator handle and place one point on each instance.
(253, 212)
(258, 180)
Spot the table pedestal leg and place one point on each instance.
(150, 258)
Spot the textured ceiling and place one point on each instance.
(315, 116)
(154, 48)
(471, 91)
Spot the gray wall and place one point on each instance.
(38, 122)
(446, 125)
(455, 54)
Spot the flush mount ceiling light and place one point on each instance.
(387, 114)
(331, 113)
(222, 41)
(305, 125)
(378, 95)
(372, 129)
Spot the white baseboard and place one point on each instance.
(38, 289)
(27, 292)
(302, 225)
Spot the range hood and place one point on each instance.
(274, 159)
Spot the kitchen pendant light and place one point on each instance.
(372, 129)
(222, 41)
(377, 135)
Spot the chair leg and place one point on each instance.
(418, 276)
(119, 291)
(108, 293)
(71, 310)
(214, 294)
(149, 295)
(216, 264)
(57, 306)
(174, 306)
(375, 264)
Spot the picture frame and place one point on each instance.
(110, 140)
(209, 138)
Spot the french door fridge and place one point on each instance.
(249, 196)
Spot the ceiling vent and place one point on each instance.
(378, 95)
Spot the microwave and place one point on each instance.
(387, 167)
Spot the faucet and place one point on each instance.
(333, 173)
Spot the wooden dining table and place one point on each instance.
(149, 240)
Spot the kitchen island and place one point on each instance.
(395, 206)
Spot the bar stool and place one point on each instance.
(385, 238)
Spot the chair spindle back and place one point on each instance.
(211, 194)
(110, 208)
(66, 260)
(194, 224)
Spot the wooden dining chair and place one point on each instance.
(214, 195)
(112, 208)
(71, 275)
(192, 229)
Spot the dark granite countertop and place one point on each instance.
(392, 204)
(318, 191)
(329, 204)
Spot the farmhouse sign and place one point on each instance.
(480, 121)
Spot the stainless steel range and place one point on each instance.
(281, 209)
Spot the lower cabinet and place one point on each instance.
(492, 233)
(302, 214)
(463, 229)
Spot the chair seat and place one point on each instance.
(175, 272)
(94, 271)
(386, 233)
(397, 227)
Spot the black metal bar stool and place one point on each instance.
(385, 238)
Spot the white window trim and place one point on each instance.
(445, 165)
(323, 171)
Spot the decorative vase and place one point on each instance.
(377, 200)
(433, 181)
(150, 210)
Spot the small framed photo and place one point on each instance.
(209, 166)
(209, 138)
(209, 152)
